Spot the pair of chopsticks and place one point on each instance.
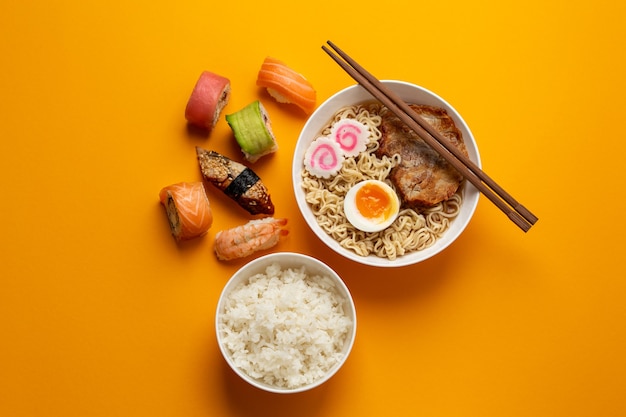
(521, 216)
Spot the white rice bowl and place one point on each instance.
(356, 94)
(285, 322)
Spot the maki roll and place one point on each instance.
(253, 131)
(208, 98)
(188, 209)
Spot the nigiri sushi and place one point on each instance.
(236, 180)
(208, 98)
(286, 85)
(253, 131)
(188, 209)
(254, 236)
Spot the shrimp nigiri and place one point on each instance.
(286, 85)
(188, 209)
(254, 236)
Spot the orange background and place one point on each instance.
(103, 314)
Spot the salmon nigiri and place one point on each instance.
(188, 209)
(286, 85)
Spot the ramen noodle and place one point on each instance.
(411, 231)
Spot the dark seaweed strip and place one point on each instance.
(241, 183)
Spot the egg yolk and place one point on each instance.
(372, 201)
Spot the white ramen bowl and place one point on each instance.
(286, 260)
(356, 94)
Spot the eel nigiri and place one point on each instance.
(236, 180)
(188, 209)
(244, 240)
(208, 98)
(253, 131)
(286, 85)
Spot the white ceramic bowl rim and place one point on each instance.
(287, 259)
(357, 94)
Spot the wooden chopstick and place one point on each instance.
(521, 216)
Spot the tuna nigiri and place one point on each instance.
(286, 85)
(208, 98)
(188, 209)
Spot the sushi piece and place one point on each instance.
(188, 209)
(236, 180)
(245, 240)
(208, 98)
(253, 131)
(286, 85)
(324, 157)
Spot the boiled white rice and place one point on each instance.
(285, 328)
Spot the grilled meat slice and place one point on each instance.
(423, 178)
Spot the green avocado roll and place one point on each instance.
(253, 131)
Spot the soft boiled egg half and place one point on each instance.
(371, 205)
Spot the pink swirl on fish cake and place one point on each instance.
(324, 157)
(351, 135)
